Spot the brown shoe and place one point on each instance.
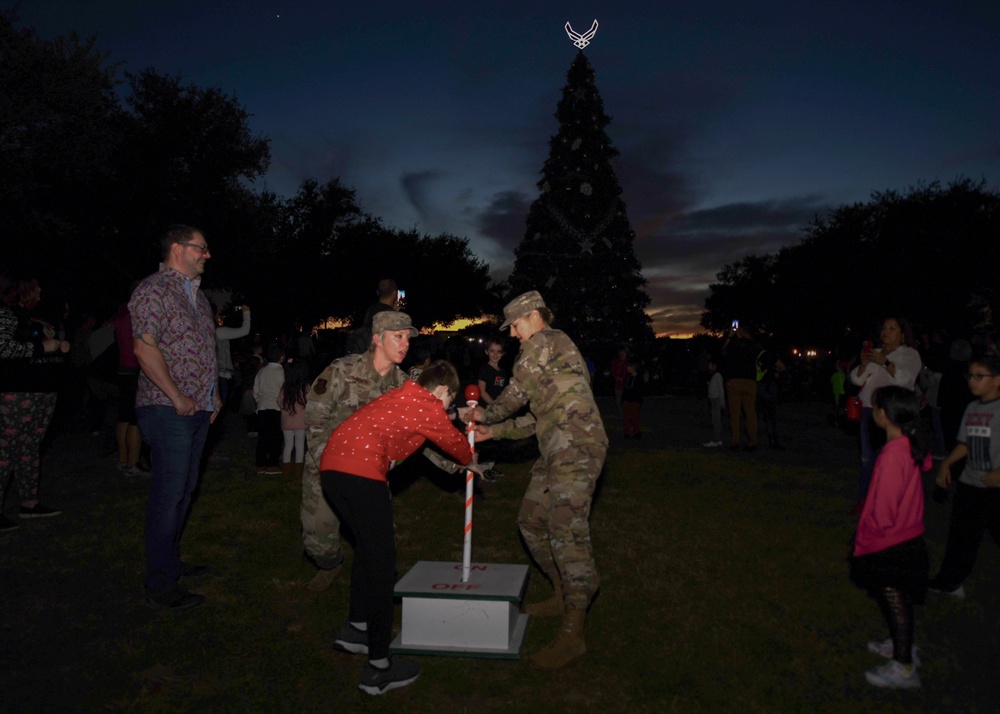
(324, 578)
(553, 606)
(568, 646)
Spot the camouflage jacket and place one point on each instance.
(551, 376)
(345, 385)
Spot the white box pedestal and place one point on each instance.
(479, 618)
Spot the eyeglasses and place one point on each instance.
(203, 247)
(978, 377)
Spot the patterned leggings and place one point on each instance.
(24, 419)
(897, 609)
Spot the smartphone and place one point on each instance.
(238, 308)
(402, 296)
(736, 325)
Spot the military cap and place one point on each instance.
(522, 304)
(391, 320)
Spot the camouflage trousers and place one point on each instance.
(320, 525)
(555, 519)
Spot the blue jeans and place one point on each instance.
(175, 444)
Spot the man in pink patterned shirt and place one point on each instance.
(174, 340)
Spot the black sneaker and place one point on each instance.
(177, 598)
(399, 673)
(7, 524)
(490, 475)
(351, 640)
(37, 511)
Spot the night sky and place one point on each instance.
(737, 122)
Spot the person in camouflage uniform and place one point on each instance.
(344, 386)
(551, 376)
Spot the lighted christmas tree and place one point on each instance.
(578, 247)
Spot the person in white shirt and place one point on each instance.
(894, 363)
(266, 387)
(716, 402)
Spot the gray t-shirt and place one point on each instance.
(976, 433)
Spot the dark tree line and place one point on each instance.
(929, 254)
(96, 166)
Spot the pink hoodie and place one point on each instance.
(894, 509)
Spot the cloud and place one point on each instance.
(503, 220)
(654, 197)
(296, 158)
(752, 217)
(417, 186)
(682, 257)
(712, 237)
(678, 294)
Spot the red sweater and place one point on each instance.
(894, 509)
(391, 428)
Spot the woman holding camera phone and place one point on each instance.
(894, 363)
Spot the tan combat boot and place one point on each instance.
(551, 607)
(568, 644)
(323, 579)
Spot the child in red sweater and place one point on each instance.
(353, 472)
(890, 556)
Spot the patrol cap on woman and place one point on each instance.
(521, 305)
(390, 320)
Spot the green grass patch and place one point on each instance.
(724, 588)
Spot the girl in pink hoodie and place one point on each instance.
(890, 556)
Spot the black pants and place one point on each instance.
(975, 510)
(365, 507)
(269, 437)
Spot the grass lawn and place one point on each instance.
(722, 590)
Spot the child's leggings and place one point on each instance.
(294, 438)
(897, 609)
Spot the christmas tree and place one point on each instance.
(578, 247)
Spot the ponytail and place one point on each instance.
(918, 447)
(902, 408)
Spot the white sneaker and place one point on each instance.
(958, 593)
(712, 444)
(884, 648)
(893, 675)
